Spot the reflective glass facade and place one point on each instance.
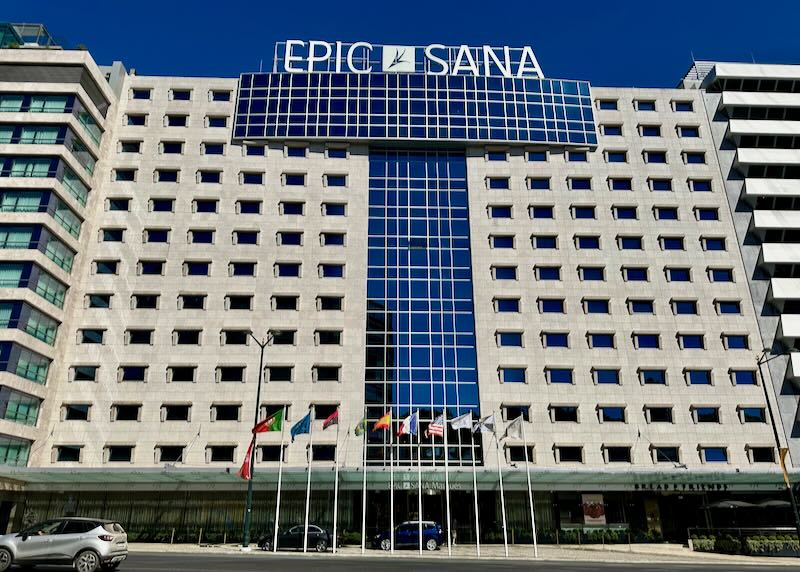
(420, 326)
(402, 107)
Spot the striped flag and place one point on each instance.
(436, 427)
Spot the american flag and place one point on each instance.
(436, 427)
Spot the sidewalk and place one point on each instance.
(619, 553)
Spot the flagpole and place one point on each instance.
(475, 489)
(364, 486)
(336, 482)
(419, 484)
(502, 495)
(280, 478)
(447, 484)
(530, 493)
(308, 480)
(391, 480)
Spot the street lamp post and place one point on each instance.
(761, 360)
(248, 511)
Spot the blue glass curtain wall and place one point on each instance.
(420, 347)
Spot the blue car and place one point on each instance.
(406, 535)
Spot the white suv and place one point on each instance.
(87, 544)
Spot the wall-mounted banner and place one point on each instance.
(594, 510)
(305, 56)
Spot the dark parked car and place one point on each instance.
(319, 539)
(406, 535)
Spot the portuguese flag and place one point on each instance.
(271, 423)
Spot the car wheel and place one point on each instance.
(5, 559)
(431, 545)
(266, 546)
(86, 561)
(322, 546)
(386, 544)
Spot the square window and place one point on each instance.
(616, 156)
(172, 147)
(239, 302)
(607, 104)
(611, 414)
(657, 157)
(665, 213)
(162, 205)
(645, 105)
(666, 454)
(735, 341)
(577, 156)
(509, 339)
(617, 454)
(99, 300)
(177, 120)
(700, 185)
(630, 274)
(762, 454)
(685, 307)
(335, 180)
(191, 301)
(181, 94)
(331, 270)
(691, 341)
(539, 156)
(337, 152)
(294, 179)
(248, 207)
(694, 158)
(136, 119)
(497, 156)
(217, 121)
(255, 150)
(600, 341)
(541, 212)
(676, 274)
(569, 454)
(714, 454)
(499, 211)
(682, 106)
(618, 184)
(671, 243)
(504, 272)
(219, 95)
(688, 131)
(612, 130)
(140, 93)
(596, 306)
(296, 150)
(334, 209)
(213, 148)
(558, 375)
(650, 130)
(130, 147)
(544, 242)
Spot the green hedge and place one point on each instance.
(751, 545)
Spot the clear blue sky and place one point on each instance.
(609, 42)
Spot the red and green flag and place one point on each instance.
(271, 423)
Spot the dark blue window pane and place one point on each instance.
(744, 377)
(636, 274)
(336, 180)
(729, 307)
(612, 130)
(552, 305)
(737, 342)
(641, 306)
(510, 339)
(292, 208)
(715, 454)
(666, 213)
(496, 156)
(499, 183)
(621, 185)
(608, 104)
(626, 213)
(512, 375)
(596, 306)
(699, 376)
(685, 307)
(583, 212)
(542, 212)
(539, 183)
(288, 270)
(332, 270)
(549, 273)
(692, 341)
(581, 184)
(252, 178)
(500, 212)
(592, 273)
(654, 376)
(295, 179)
(537, 156)
(507, 305)
(646, 341)
(661, 184)
(503, 242)
(334, 209)
(610, 376)
(555, 340)
(678, 274)
(714, 243)
(601, 340)
(558, 375)
(707, 214)
(505, 272)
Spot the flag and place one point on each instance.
(245, 471)
(302, 426)
(485, 425)
(361, 428)
(384, 422)
(271, 423)
(514, 429)
(435, 427)
(462, 421)
(333, 419)
(409, 425)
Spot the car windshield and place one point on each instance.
(113, 527)
(47, 527)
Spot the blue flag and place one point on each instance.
(302, 426)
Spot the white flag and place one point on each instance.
(485, 425)
(514, 429)
(462, 421)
